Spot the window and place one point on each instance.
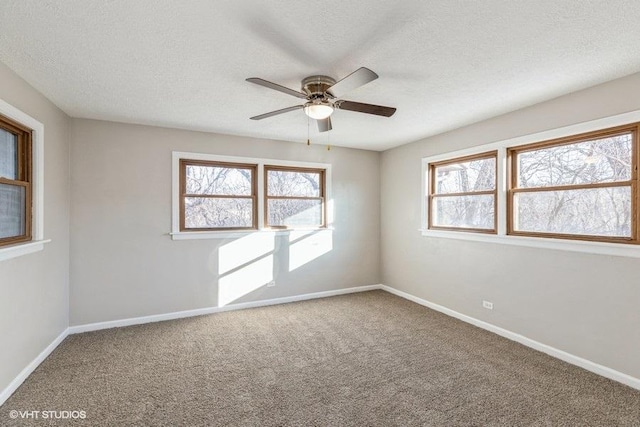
(462, 193)
(217, 196)
(15, 182)
(580, 187)
(295, 197)
(574, 188)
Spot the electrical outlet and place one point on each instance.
(271, 284)
(488, 305)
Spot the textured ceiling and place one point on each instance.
(442, 64)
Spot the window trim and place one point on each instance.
(431, 193)
(512, 180)
(322, 197)
(37, 184)
(254, 193)
(582, 246)
(177, 234)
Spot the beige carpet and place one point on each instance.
(368, 359)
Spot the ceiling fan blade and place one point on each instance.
(324, 125)
(275, 86)
(359, 77)
(359, 107)
(275, 113)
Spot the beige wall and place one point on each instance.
(587, 305)
(123, 263)
(34, 288)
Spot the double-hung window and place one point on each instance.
(15, 182)
(294, 197)
(580, 187)
(217, 196)
(462, 193)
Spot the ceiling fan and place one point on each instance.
(321, 94)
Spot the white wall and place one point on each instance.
(587, 305)
(123, 263)
(34, 288)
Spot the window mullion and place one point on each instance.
(262, 190)
(501, 192)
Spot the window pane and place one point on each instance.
(293, 184)
(474, 175)
(463, 211)
(218, 180)
(8, 155)
(295, 212)
(600, 160)
(12, 211)
(593, 211)
(205, 212)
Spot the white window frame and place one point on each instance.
(37, 213)
(176, 234)
(501, 237)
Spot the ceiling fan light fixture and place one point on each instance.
(318, 111)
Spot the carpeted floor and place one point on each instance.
(369, 359)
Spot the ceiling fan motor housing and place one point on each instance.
(316, 87)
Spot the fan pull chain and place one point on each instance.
(328, 140)
(308, 139)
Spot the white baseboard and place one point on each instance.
(210, 310)
(562, 355)
(551, 351)
(24, 374)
